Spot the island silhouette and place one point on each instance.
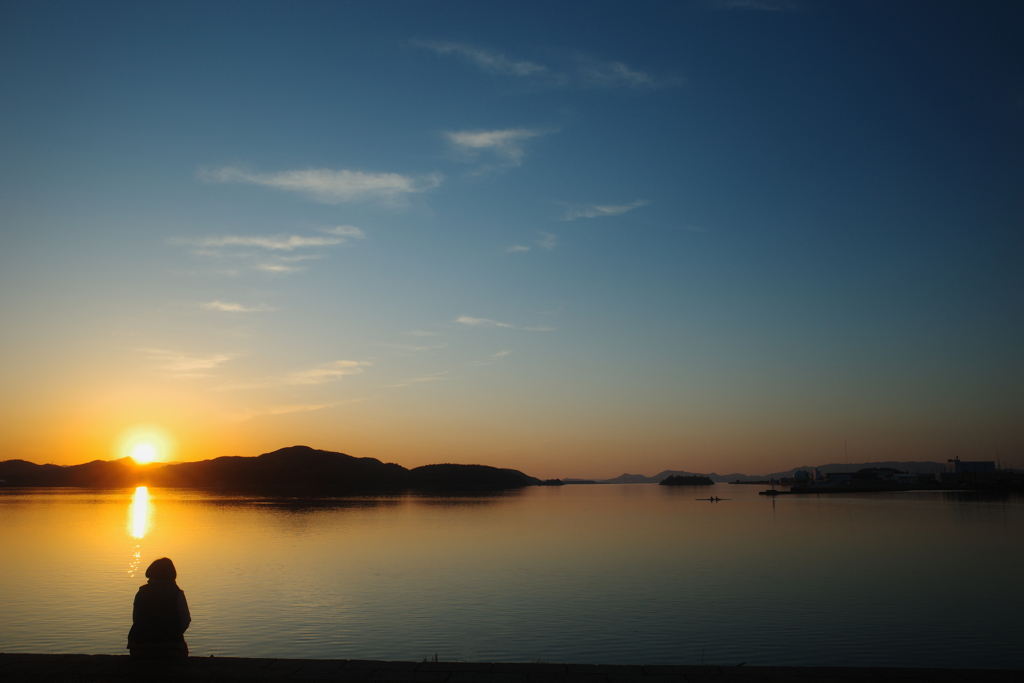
(296, 468)
(686, 480)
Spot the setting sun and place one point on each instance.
(144, 453)
(146, 444)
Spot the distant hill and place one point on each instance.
(468, 477)
(679, 480)
(297, 468)
(903, 466)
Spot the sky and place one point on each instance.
(576, 239)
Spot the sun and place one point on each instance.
(144, 453)
(145, 444)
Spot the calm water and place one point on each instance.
(605, 574)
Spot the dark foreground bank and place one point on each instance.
(18, 668)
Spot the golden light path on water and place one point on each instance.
(138, 524)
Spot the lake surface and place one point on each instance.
(627, 574)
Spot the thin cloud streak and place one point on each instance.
(276, 261)
(517, 249)
(345, 231)
(598, 210)
(329, 372)
(506, 145)
(618, 75)
(483, 363)
(320, 374)
(329, 186)
(183, 365)
(276, 268)
(581, 70)
(417, 349)
(435, 377)
(280, 242)
(230, 307)
(487, 322)
(481, 322)
(547, 240)
(493, 62)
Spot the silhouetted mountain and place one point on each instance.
(629, 479)
(909, 466)
(98, 473)
(681, 480)
(298, 468)
(468, 477)
(656, 479)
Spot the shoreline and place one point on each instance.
(72, 668)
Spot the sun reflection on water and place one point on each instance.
(139, 512)
(138, 525)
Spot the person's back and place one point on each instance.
(160, 615)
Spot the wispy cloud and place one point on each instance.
(434, 377)
(231, 307)
(330, 186)
(547, 240)
(184, 365)
(276, 268)
(270, 253)
(299, 408)
(487, 322)
(481, 322)
(598, 210)
(600, 74)
(412, 348)
(271, 242)
(328, 372)
(577, 69)
(345, 231)
(506, 145)
(491, 359)
(494, 62)
(320, 374)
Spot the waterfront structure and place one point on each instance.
(972, 466)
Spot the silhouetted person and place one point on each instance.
(160, 615)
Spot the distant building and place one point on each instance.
(973, 466)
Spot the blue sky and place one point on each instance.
(576, 240)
